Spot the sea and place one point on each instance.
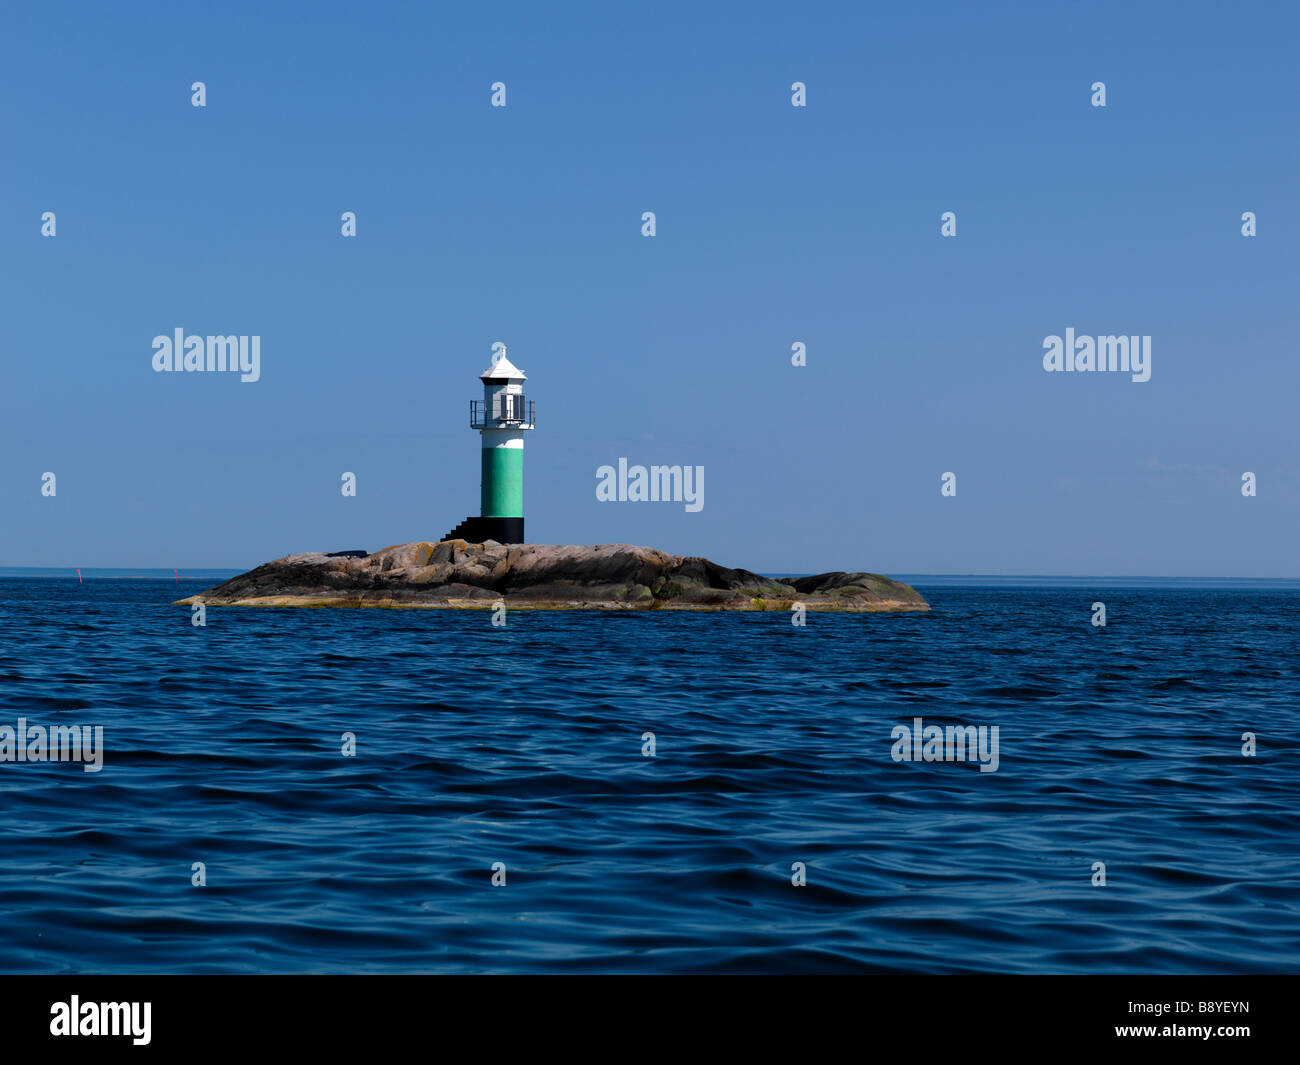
(401, 791)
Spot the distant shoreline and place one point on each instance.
(49, 573)
(961, 580)
(936, 580)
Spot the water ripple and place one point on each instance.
(523, 745)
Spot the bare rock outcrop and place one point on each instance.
(455, 573)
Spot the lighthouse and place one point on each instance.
(502, 417)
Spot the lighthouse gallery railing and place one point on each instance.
(519, 413)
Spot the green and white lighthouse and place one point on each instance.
(501, 417)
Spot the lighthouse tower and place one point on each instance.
(502, 417)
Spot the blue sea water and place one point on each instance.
(523, 745)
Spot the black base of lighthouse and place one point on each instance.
(477, 530)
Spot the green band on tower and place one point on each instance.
(503, 482)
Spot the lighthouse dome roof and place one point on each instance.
(501, 369)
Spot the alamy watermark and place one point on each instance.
(658, 484)
(1131, 355)
(58, 743)
(77, 1018)
(956, 743)
(194, 354)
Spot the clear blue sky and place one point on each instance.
(775, 224)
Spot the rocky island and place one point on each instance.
(456, 573)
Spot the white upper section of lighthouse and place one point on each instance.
(502, 368)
